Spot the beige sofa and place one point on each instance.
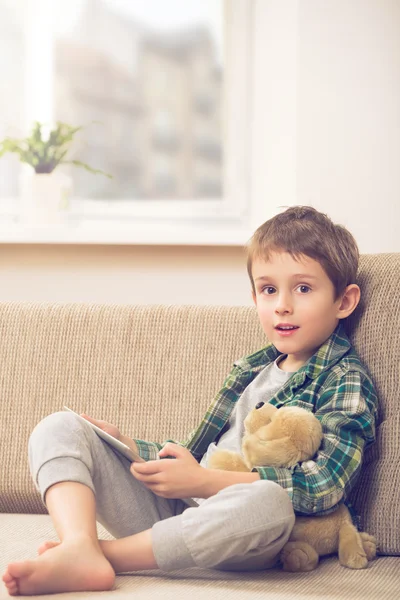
(153, 371)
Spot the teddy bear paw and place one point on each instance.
(298, 557)
(353, 558)
(369, 545)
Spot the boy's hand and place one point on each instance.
(112, 430)
(178, 477)
(107, 427)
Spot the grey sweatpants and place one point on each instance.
(242, 527)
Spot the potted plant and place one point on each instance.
(45, 192)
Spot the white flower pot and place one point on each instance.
(45, 198)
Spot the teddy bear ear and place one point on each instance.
(260, 415)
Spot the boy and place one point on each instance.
(302, 270)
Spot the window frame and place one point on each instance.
(260, 146)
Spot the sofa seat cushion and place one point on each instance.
(21, 534)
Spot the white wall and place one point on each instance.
(348, 125)
(124, 274)
(327, 117)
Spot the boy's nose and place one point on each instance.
(283, 305)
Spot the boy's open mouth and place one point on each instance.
(286, 330)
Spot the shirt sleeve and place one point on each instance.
(213, 421)
(148, 450)
(347, 410)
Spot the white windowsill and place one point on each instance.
(119, 233)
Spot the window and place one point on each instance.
(12, 53)
(162, 88)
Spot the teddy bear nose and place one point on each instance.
(260, 404)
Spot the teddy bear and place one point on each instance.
(282, 438)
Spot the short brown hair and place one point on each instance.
(302, 230)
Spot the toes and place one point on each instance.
(7, 577)
(23, 569)
(42, 548)
(12, 589)
(46, 546)
(11, 583)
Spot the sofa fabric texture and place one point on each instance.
(153, 370)
(330, 581)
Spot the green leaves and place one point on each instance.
(78, 163)
(44, 155)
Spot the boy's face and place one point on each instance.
(297, 293)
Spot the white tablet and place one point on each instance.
(117, 444)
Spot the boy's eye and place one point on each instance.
(268, 290)
(304, 289)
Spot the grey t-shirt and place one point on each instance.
(261, 389)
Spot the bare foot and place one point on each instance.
(47, 546)
(50, 544)
(71, 566)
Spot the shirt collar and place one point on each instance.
(328, 354)
(331, 351)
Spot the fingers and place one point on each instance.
(148, 479)
(94, 421)
(174, 450)
(155, 482)
(150, 467)
(97, 422)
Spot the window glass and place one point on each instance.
(146, 79)
(12, 90)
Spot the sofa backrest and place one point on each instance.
(374, 332)
(154, 370)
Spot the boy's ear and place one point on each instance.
(349, 301)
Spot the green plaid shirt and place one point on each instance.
(335, 386)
